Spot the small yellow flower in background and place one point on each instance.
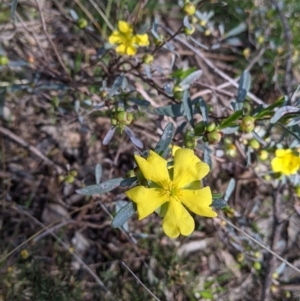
(126, 40)
(285, 162)
(24, 254)
(172, 190)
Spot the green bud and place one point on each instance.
(189, 9)
(61, 178)
(130, 173)
(189, 139)
(69, 179)
(199, 128)
(160, 40)
(148, 59)
(248, 124)
(114, 121)
(82, 23)
(297, 191)
(103, 94)
(257, 265)
(231, 151)
(263, 155)
(189, 31)
(211, 126)
(4, 60)
(74, 173)
(254, 144)
(246, 107)
(124, 118)
(240, 257)
(214, 137)
(178, 92)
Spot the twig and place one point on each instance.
(88, 269)
(140, 282)
(259, 243)
(212, 66)
(31, 148)
(288, 38)
(275, 237)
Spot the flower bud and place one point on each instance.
(240, 257)
(199, 128)
(189, 139)
(254, 144)
(214, 137)
(246, 107)
(130, 173)
(231, 151)
(210, 126)
(103, 93)
(114, 121)
(248, 124)
(178, 92)
(189, 31)
(263, 155)
(74, 173)
(189, 9)
(203, 23)
(4, 60)
(246, 52)
(69, 179)
(148, 59)
(257, 265)
(82, 23)
(125, 118)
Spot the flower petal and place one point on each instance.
(282, 152)
(154, 168)
(131, 50)
(115, 38)
(276, 164)
(188, 167)
(198, 201)
(121, 49)
(142, 40)
(124, 27)
(177, 220)
(147, 199)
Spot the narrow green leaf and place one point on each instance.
(100, 188)
(128, 182)
(207, 157)
(170, 110)
(291, 132)
(188, 108)
(244, 86)
(190, 79)
(283, 111)
(13, 8)
(229, 190)
(232, 118)
(123, 215)
(116, 85)
(98, 173)
(204, 110)
(259, 139)
(236, 30)
(165, 140)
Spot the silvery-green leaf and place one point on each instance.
(73, 14)
(207, 156)
(98, 173)
(123, 215)
(100, 188)
(13, 8)
(218, 203)
(204, 110)
(229, 190)
(170, 110)
(188, 108)
(116, 85)
(236, 30)
(168, 89)
(128, 182)
(140, 102)
(165, 140)
(198, 43)
(282, 111)
(244, 86)
(109, 135)
(230, 130)
(186, 22)
(259, 139)
(191, 78)
(133, 138)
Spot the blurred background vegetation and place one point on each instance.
(55, 67)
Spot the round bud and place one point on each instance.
(82, 23)
(69, 179)
(189, 9)
(203, 23)
(246, 107)
(257, 265)
(189, 139)
(124, 118)
(74, 173)
(214, 137)
(248, 124)
(103, 93)
(199, 128)
(148, 59)
(189, 31)
(254, 144)
(4, 60)
(130, 173)
(210, 126)
(263, 155)
(240, 257)
(178, 92)
(231, 151)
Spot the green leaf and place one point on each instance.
(268, 110)
(170, 110)
(188, 108)
(182, 74)
(190, 79)
(128, 182)
(283, 111)
(204, 110)
(100, 188)
(259, 139)
(98, 173)
(231, 119)
(13, 8)
(291, 132)
(230, 129)
(236, 30)
(229, 190)
(123, 215)
(244, 86)
(218, 203)
(116, 85)
(207, 157)
(165, 140)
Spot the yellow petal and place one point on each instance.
(147, 199)
(282, 152)
(154, 168)
(177, 220)
(121, 49)
(131, 50)
(174, 149)
(198, 201)
(142, 40)
(188, 167)
(115, 38)
(124, 27)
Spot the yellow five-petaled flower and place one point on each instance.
(127, 41)
(177, 188)
(285, 162)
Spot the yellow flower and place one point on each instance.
(126, 40)
(174, 189)
(285, 162)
